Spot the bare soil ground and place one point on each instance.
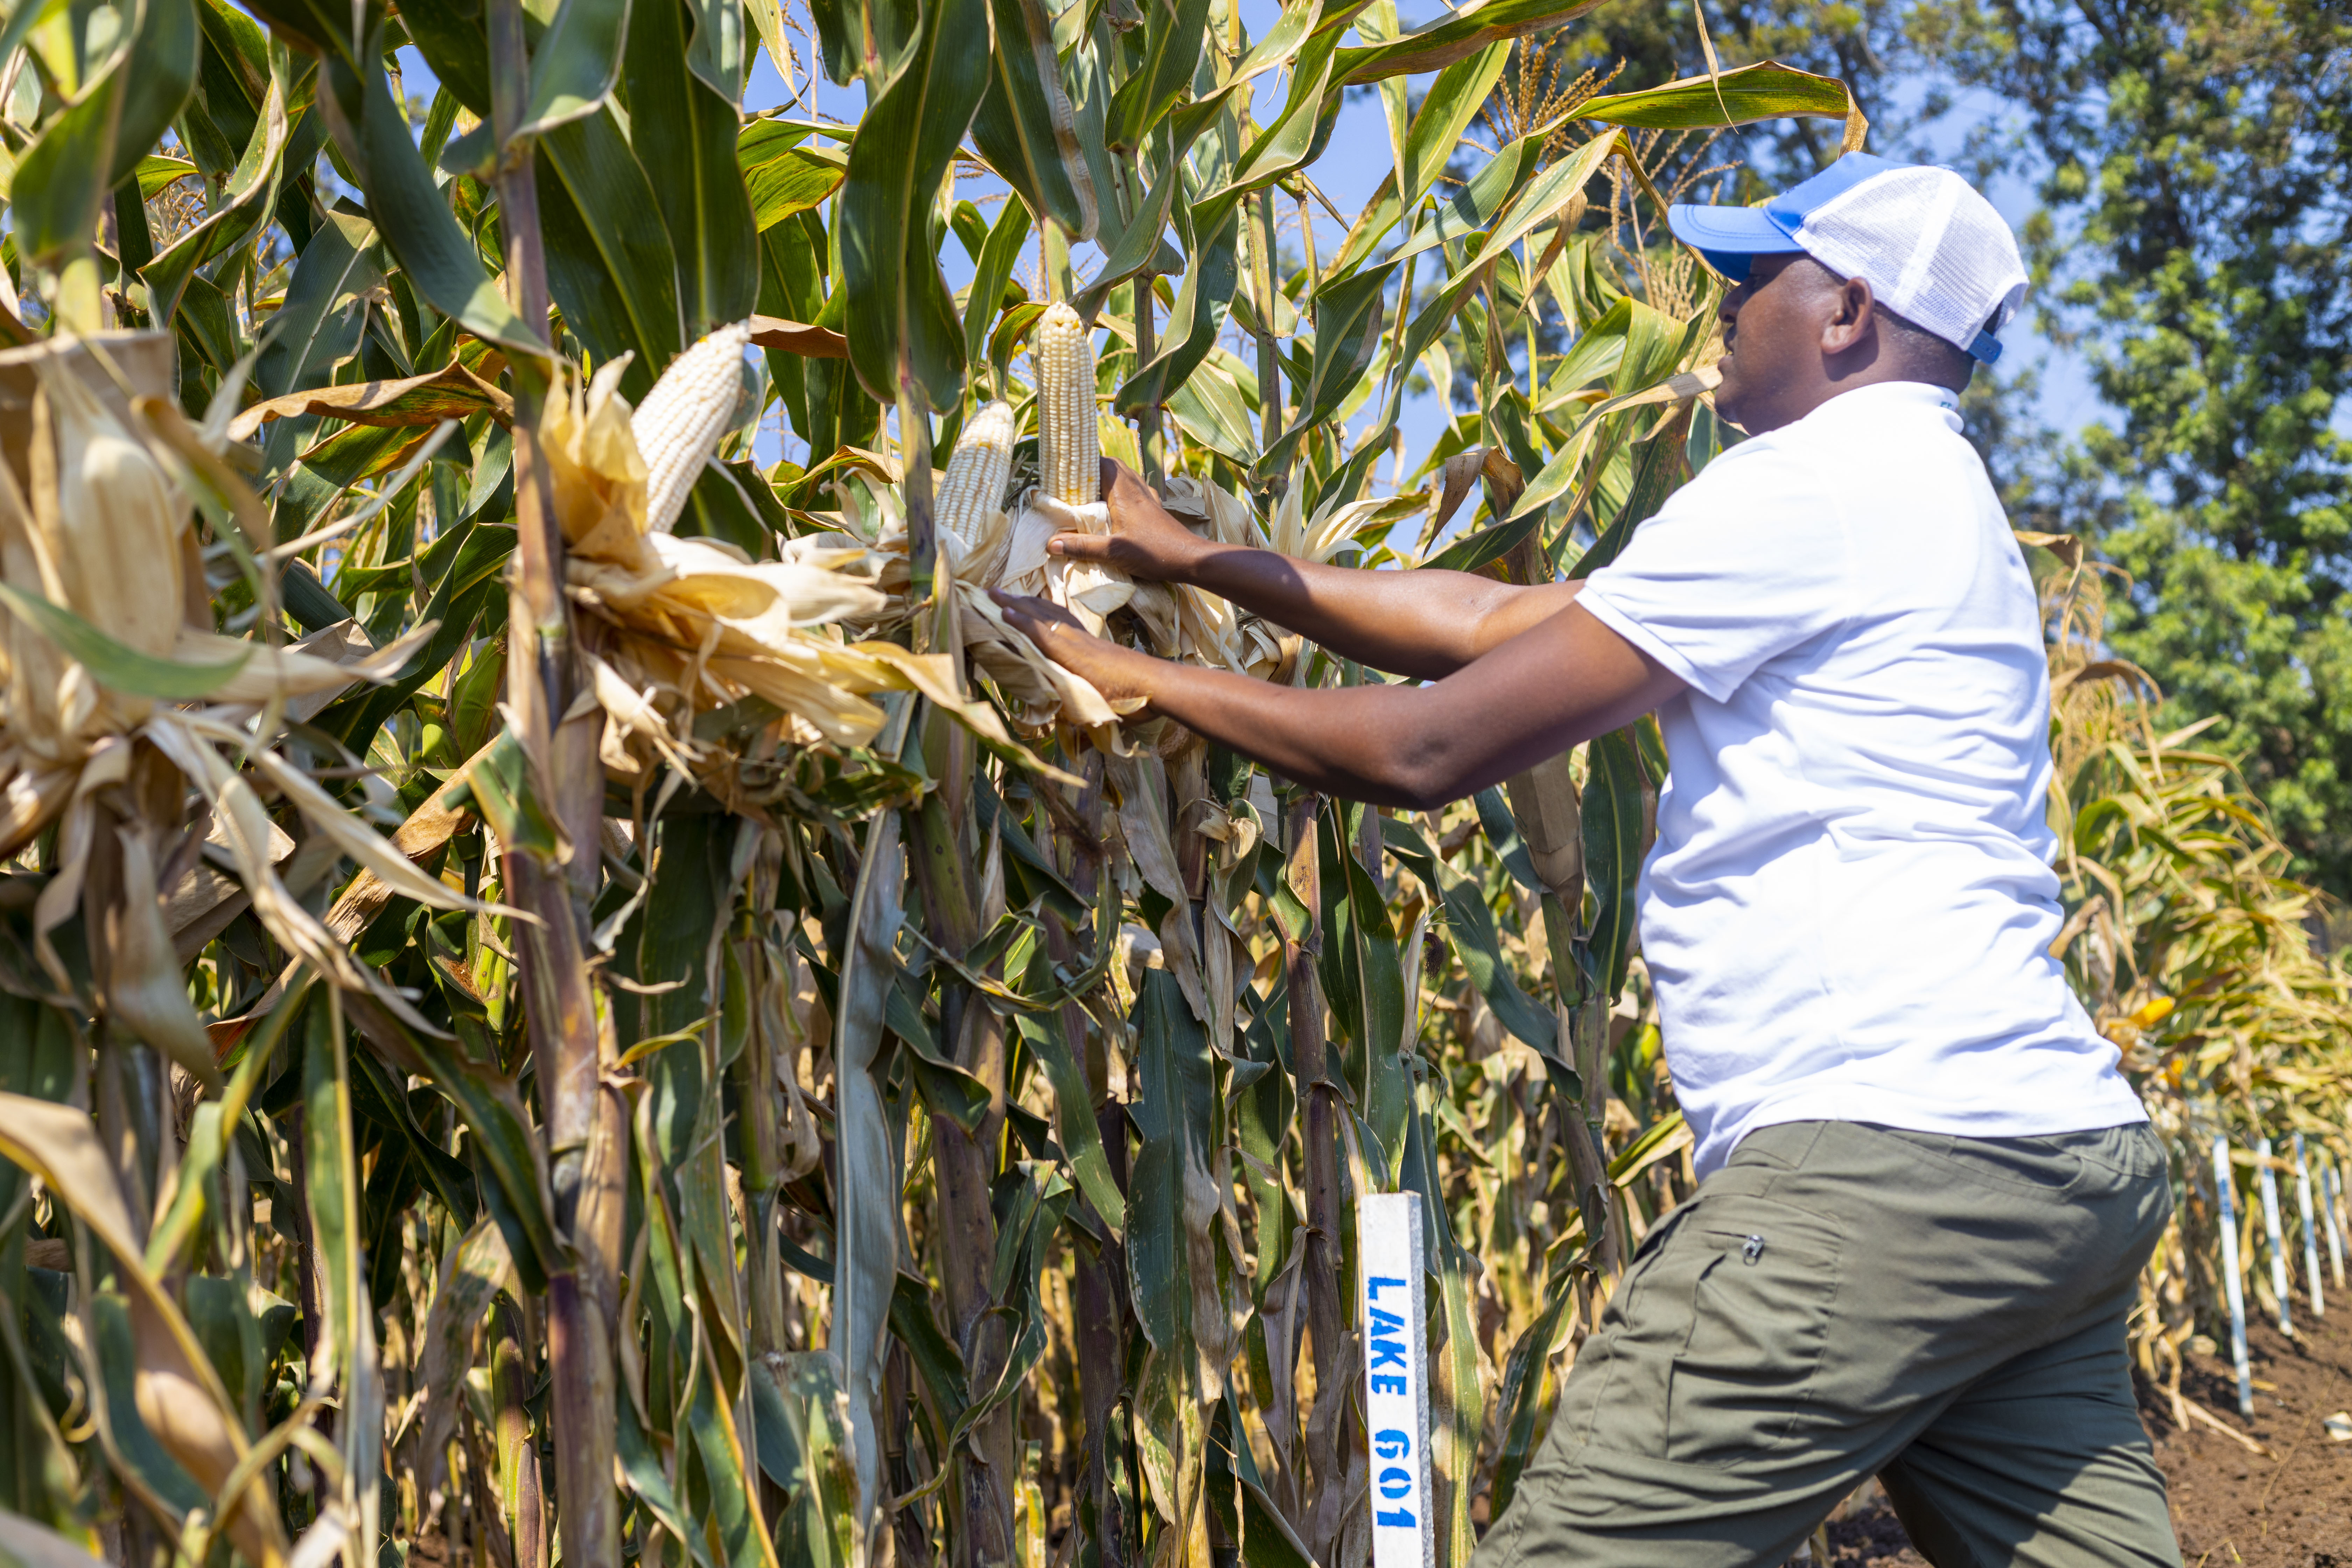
(2287, 1506)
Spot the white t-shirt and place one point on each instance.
(1849, 911)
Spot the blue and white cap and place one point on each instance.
(1932, 250)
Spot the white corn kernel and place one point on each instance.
(678, 425)
(977, 473)
(1069, 447)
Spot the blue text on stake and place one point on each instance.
(1396, 1378)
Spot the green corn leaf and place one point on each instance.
(1210, 408)
(819, 1526)
(148, 1468)
(1304, 123)
(1453, 99)
(1612, 851)
(788, 180)
(905, 330)
(719, 53)
(947, 1091)
(1462, 34)
(1172, 37)
(500, 1136)
(1572, 456)
(1765, 91)
(113, 665)
(449, 35)
(1528, 1392)
(331, 1170)
(1267, 1539)
(1501, 831)
(1074, 1107)
(682, 127)
(162, 66)
(1348, 320)
(1170, 1114)
(613, 274)
(63, 176)
(574, 64)
(866, 1233)
(1024, 126)
(1486, 546)
(1202, 305)
(1142, 244)
(1470, 925)
(498, 786)
(325, 27)
(1384, 1007)
(1595, 355)
(998, 255)
(732, 1494)
(209, 1134)
(643, 1469)
(440, 259)
(934, 1357)
(1474, 206)
(325, 309)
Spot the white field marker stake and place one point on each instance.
(2310, 1227)
(2227, 1193)
(2275, 1233)
(1396, 1379)
(2331, 1195)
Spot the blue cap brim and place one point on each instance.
(1728, 237)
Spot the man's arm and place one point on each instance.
(1564, 680)
(1422, 623)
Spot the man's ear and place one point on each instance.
(1852, 317)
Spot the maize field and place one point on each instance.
(569, 989)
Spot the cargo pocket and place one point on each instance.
(1762, 1298)
(1615, 1395)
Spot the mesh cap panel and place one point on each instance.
(1932, 250)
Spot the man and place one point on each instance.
(1926, 1191)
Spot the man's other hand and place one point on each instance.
(1118, 673)
(1144, 541)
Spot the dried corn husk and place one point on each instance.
(117, 523)
(1088, 590)
(694, 624)
(145, 991)
(100, 526)
(1545, 805)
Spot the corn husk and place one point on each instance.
(692, 625)
(101, 526)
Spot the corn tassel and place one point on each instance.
(1069, 445)
(678, 425)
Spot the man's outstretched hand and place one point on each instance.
(1118, 673)
(1144, 541)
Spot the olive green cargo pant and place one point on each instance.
(1842, 1301)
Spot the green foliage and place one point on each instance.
(2194, 251)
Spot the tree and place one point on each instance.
(2194, 247)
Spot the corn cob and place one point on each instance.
(115, 533)
(678, 425)
(977, 473)
(1069, 447)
